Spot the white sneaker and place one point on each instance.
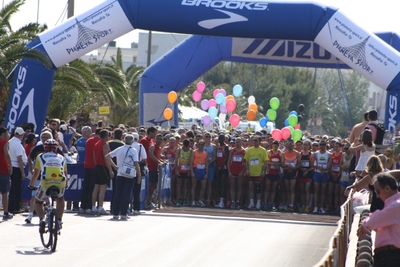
(322, 211)
(200, 203)
(221, 204)
(250, 206)
(28, 219)
(193, 203)
(102, 211)
(315, 210)
(258, 206)
(94, 210)
(136, 212)
(88, 211)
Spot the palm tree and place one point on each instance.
(13, 48)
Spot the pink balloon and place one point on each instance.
(297, 127)
(234, 120)
(212, 103)
(222, 109)
(230, 105)
(196, 96)
(222, 91)
(206, 120)
(285, 133)
(215, 93)
(201, 87)
(276, 134)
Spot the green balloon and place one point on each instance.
(274, 103)
(291, 130)
(297, 134)
(292, 120)
(271, 114)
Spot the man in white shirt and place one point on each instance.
(18, 162)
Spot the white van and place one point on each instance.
(253, 126)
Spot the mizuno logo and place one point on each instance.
(213, 23)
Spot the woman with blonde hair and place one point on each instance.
(366, 147)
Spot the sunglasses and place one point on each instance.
(207, 136)
(322, 144)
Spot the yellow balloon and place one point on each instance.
(172, 96)
(168, 114)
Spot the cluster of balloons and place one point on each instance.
(287, 132)
(221, 103)
(271, 113)
(168, 113)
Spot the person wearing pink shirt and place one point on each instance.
(385, 222)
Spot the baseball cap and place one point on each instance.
(325, 137)
(19, 131)
(135, 136)
(64, 128)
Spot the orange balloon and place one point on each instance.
(168, 114)
(253, 107)
(172, 97)
(251, 115)
(228, 97)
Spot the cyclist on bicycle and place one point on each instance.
(53, 168)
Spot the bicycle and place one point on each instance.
(49, 229)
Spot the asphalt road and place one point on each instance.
(163, 238)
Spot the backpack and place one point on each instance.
(380, 133)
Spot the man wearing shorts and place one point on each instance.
(256, 158)
(103, 173)
(53, 169)
(322, 166)
(272, 178)
(182, 163)
(211, 150)
(153, 160)
(5, 171)
(199, 169)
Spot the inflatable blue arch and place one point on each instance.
(282, 33)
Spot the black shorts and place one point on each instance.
(101, 175)
(273, 177)
(153, 176)
(183, 175)
(289, 175)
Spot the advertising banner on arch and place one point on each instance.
(392, 116)
(360, 50)
(84, 33)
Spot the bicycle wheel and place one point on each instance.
(45, 235)
(54, 230)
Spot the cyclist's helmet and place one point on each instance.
(50, 145)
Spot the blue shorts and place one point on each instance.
(321, 178)
(5, 183)
(199, 174)
(37, 183)
(211, 172)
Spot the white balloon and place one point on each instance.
(251, 100)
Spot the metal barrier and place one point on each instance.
(336, 254)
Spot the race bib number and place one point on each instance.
(219, 154)
(201, 166)
(210, 158)
(335, 168)
(185, 167)
(254, 162)
(305, 163)
(237, 158)
(291, 163)
(345, 176)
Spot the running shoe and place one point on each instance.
(228, 204)
(322, 211)
(193, 203)
(28, 219)
(220, 205)
(315, 210)
(115, 217)
(258, 206)
(200, 203)
(88, 211)
(250, 206)
(233, 206)
(289, 208)
(184, 204)
(102, 211)
(179, 203)
(124, 217)
(281, 207)
(7, 216)
(136, 212)
(94, 211)
(273, 208)
(238, 205)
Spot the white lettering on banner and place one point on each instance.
(248, 5)
(392, 113)
(16, 107)
(74, 182)
(86, 32)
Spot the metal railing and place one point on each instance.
(336, 254)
